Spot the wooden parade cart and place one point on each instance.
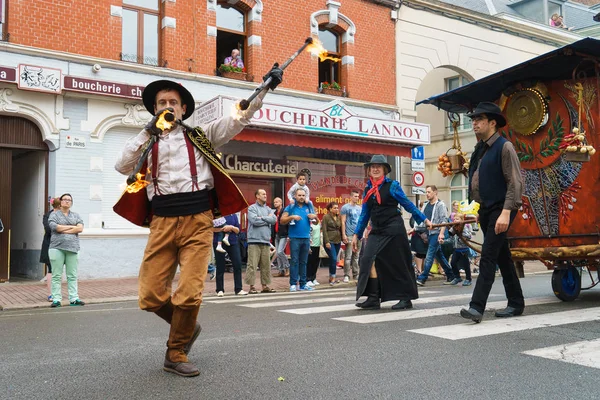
(552, 107)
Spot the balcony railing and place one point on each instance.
(157, 62)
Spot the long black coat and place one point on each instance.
(388, 247)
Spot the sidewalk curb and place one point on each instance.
(46, 304)
(103, 300)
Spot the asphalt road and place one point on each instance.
(115, 351)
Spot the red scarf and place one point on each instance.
(375, 189)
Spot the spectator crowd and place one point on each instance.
(292, 241)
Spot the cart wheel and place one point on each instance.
(566, 283)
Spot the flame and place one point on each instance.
(162, 123)
(316, 49)
(138, 185)
(236, 112)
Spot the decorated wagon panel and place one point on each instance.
(560, 202)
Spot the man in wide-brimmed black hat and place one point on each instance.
(495, 182)
(386, 271)
(187, 187)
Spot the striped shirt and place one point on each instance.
(64, 241)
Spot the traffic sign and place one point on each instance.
(418, 153)
(418, 179)
(417, 165)
(418, 190)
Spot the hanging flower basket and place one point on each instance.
(454, 160)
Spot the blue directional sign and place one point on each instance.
(418, 153)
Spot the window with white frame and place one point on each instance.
(140, 32)
(459, 187)
(329, 70)
(231, 35)
(465, 122)
(3, 33)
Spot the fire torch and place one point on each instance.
(167, 118)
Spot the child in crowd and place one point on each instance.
(221, 237)
(300, 184)
(460, 256)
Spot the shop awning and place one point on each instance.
(327, 143)
(557, 64)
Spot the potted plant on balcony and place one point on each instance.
(332, 88)
(227, 71)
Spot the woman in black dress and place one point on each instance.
(386, 271)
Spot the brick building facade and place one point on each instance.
(188, 35)
(71, 78)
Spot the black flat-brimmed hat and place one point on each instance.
(491, 110)
(150, 91)
(379, 159)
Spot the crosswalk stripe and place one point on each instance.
(272, 296)
(275, 296)
(586, 353)
(515, 324)
(348, 307)
(298, 302)
(431, 312)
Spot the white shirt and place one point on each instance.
(174, 174)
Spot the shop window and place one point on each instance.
(458, 188)
(140, 32)
(231, 35)
(3, 33)
(465, 122)
(329, 70)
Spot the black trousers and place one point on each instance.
(460, 260)
(495, 251)
(313, 263)
(236, 260)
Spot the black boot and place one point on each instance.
(372, 291)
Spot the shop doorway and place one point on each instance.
(248, 186)
(23, 182)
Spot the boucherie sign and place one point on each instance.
(334, 119)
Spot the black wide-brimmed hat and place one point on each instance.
(379, 159)
(491, 110)
(150, 91)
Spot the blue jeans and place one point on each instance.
(333, 253)
(434, 250)
(299, 249)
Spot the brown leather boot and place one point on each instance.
(197, 330)
(166, 312)
(183, 327)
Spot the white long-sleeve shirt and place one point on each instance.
(174, 174)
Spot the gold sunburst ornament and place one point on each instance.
(527, 111)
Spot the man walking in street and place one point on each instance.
(349, 215)
(260, 219)
(299, 233)
(496, 183)
(281, 240)
(436, 212)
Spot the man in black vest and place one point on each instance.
(496, 183)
